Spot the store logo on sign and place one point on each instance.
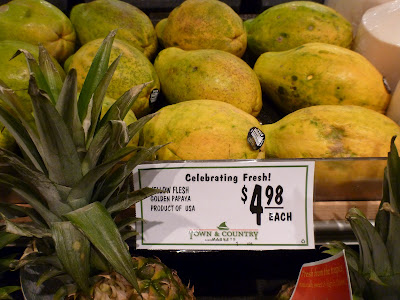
(223, 234)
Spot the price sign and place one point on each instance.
(226, 205)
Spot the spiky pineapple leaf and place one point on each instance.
(96, 147)
(50, 273)
(135, 127)
(98, 98)
(352, 257)
(80, 194)
(67, 107)
(122, 105)
(60, 155)
(114, 180)
(96, 72)
(393, 177)
(50, 73)
(7, 238)
(73, 250)
(382, 218)
(22, 138)
(128, 222)
(25, 229)
(119, 136)
(126, 201)
(97, 224)
(12, 211)
(373, 252)
(7, 290)
(30, 196)
(35, 71)
(45, 187)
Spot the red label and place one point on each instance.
(327, 279)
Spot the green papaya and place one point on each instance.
(95, 19)
(134, 68)
(38, 21)
(289, 25)
(201, 129)
(15, 73)
(208, 74)
(320, 73)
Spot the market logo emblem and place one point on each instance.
(224, 234)
(223, 226)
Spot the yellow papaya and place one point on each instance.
(318, 74)
(201, 129)
(95, 19)
(334, 131)
(38, 21)
(208, 74)
(289, 25)
(204, 24)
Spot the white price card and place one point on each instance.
(231, 205)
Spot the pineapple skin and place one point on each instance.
(156, 282)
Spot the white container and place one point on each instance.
(378, 39)
(353, 10)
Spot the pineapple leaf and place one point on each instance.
(73, 250)
(135, 127)
(67, 107)
(118, 176)
(132, 198)
(7, 290)
(382, 218)
(98, 261)
(52, 272)
(25, 229)
(60, 155)
(31, 197)
(50, 73)
(96, 72)
(96, 147)
(45, 187)
(22, 138)
(128, 234)
(352, 257)
(393, 177)
(119, 136)
(7, 238)
(36, 72)
(373, 252)
(121, 107)
(12, 211)
(128, 222)
(98, 98)
(99, 227)
(80, 194)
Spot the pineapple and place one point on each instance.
(375, 269)
(75, 174)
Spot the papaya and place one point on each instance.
(318, 74)
(208, 74)
(289, 25)
(95, 19)
(204, 24)
(334, 132)
(134, 68)
(15, 73)
(201, 129)
(38, 21)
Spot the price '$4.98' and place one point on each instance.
(274, 199)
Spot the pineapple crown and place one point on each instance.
(71, 173)
(375, 269)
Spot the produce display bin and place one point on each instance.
(254, 275)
